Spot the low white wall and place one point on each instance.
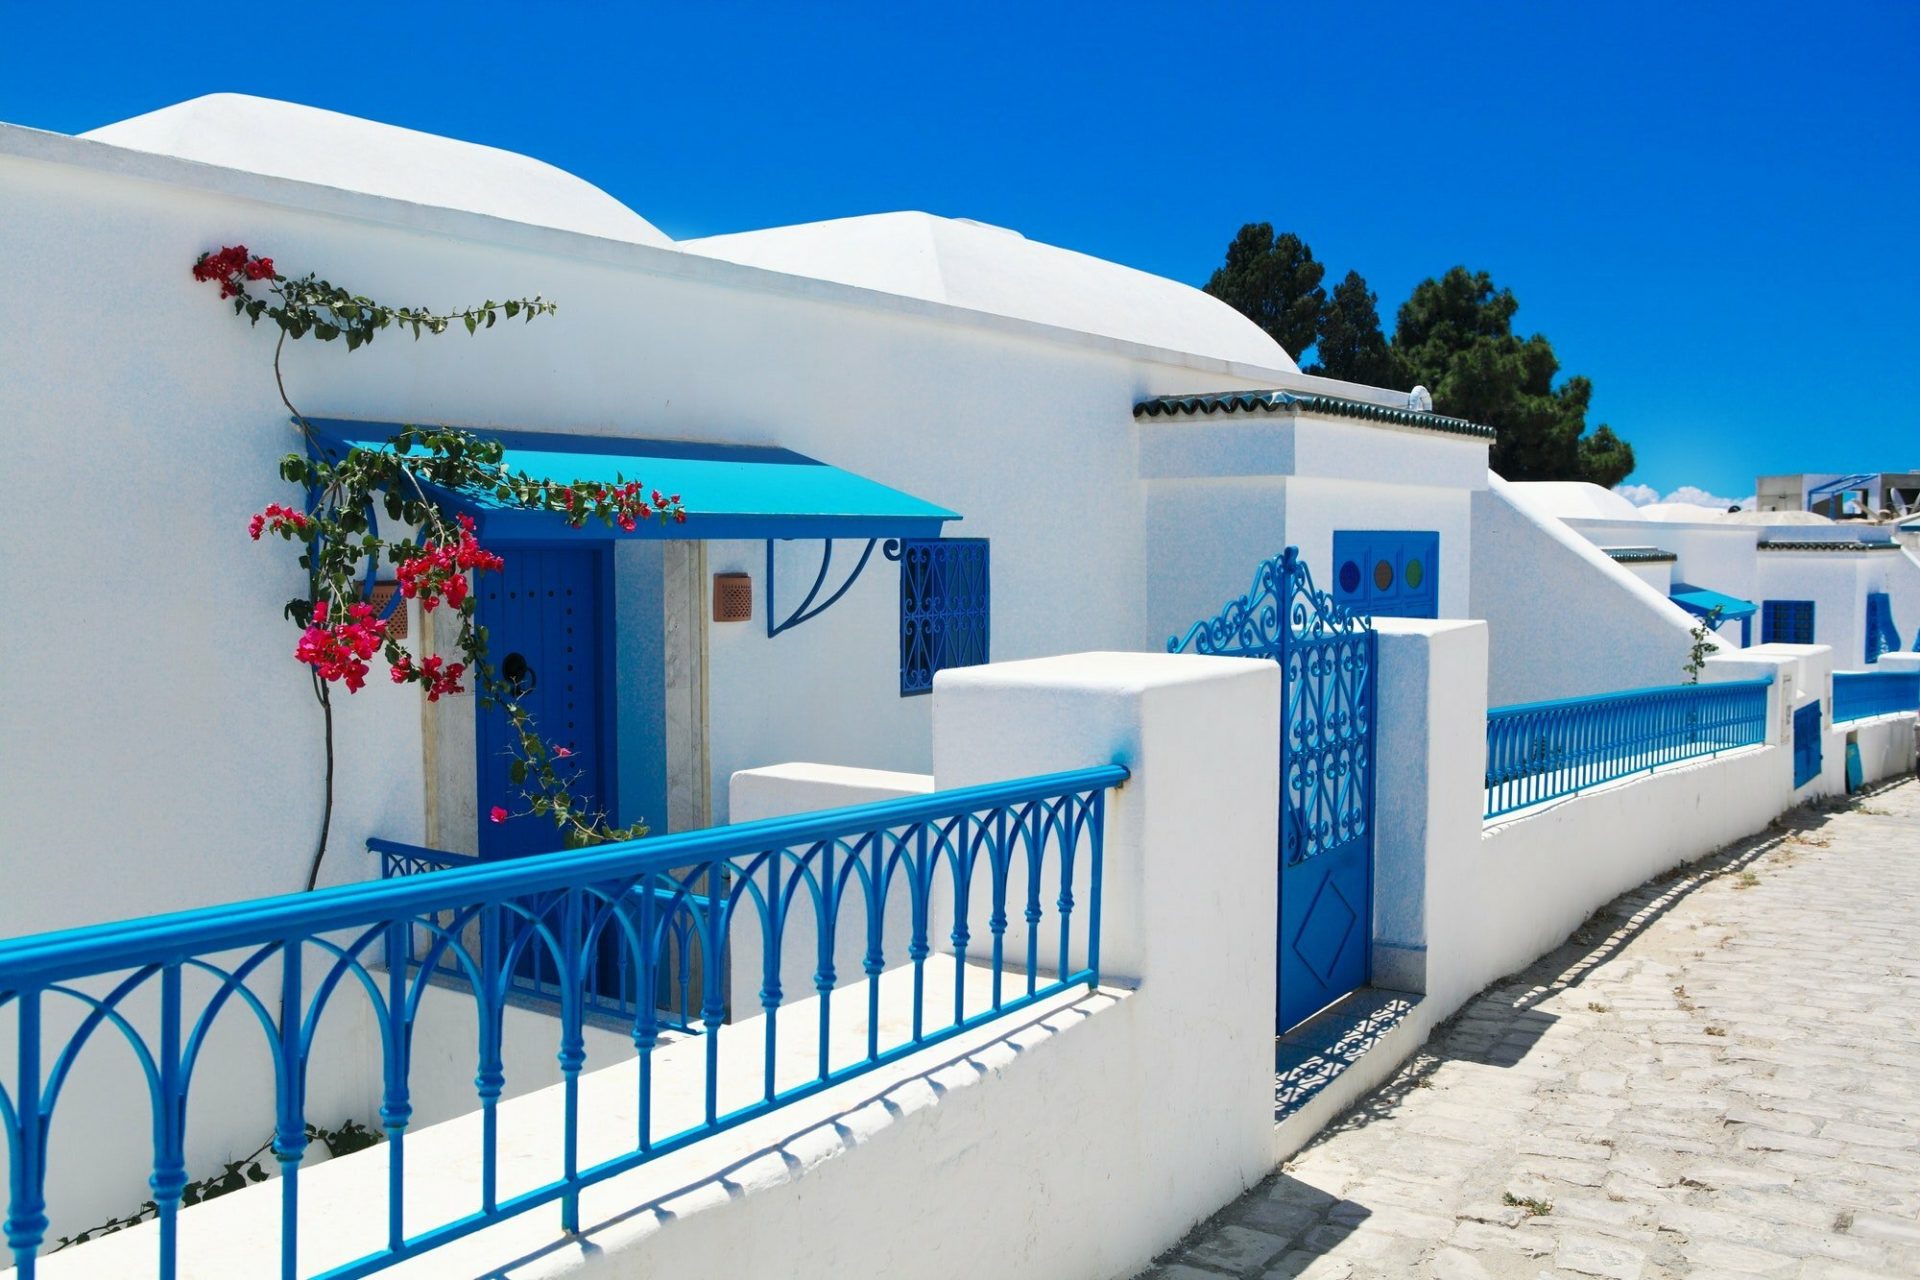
(1886, 746)
(953, 1161)
(1502, 896)
(1540, 874)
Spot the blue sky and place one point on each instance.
(1712, 210)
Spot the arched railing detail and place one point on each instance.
(637, 932)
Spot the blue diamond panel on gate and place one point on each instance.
(945, 608)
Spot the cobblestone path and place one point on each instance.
(1718, 1076)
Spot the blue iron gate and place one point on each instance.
(1806, 744)
(1327, 715)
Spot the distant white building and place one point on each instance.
(1789, 576)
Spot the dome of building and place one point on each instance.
(308, 144)
(1573, 500)
(990, 269)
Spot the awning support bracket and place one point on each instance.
(807, 610)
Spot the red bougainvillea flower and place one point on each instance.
(339, 652)
(499, 814)
(276, 518)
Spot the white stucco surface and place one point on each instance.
(1564, 620)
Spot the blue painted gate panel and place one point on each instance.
(1806, 744)
(1327, 720)
(543, 618)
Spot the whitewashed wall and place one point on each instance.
(1225, 493)
(1563, 619)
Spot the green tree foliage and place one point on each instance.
(1351, 346)
(1273, 281)
(1455, 337)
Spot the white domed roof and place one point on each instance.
(1683, 513)
(1574, 500)
(287, 140)
(986, 268)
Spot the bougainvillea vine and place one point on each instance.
(341, 538)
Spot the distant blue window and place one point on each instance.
(1882, 635)
(1387, 573)
(1786, 622)
(945, 614)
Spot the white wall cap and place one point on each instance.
(836, 775)
(985, 268)
(1114, 672)
(1426, 626)
(307, 144)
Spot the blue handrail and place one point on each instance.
(1858, 695)
(609, 991)
(1540, 751)
(979, 844)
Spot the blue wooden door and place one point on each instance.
(543, 613)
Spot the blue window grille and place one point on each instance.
(1882, 635)
(1540, 751)
(1806, 744)
(1387, 573)
(1023, 859)
(945, 608)
(1858, 695)
(1786, 622)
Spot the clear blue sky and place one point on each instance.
(1712, 211)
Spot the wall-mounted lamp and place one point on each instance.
(732, 597)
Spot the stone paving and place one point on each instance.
(1718, 1076)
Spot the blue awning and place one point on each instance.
(1700, 602)
(729, 491)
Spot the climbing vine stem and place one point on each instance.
(416, 479)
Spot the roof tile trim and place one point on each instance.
(1829, 546)
(1297, 401)
(1641, 555)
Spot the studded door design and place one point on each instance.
(542, 613)
(1326, 761)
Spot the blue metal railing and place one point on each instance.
(1540, 751)
(1859, 694)
(159, 985)
(609, 981)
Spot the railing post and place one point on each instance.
(290, 1128)
(169, 1178)
(27, 1200)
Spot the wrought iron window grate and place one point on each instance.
(945, 608)
(1786, 622)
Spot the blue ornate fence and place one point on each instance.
(1540, 751)
(1860, 694)
(159, 986)
(609, 984)
(1327, 657)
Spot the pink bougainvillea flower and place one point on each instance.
(562, 752)
(499, 814)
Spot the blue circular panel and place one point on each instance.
(1349, 577)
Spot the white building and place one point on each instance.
(1106, 457)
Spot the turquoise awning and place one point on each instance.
(729, 491)
(1700, 602)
